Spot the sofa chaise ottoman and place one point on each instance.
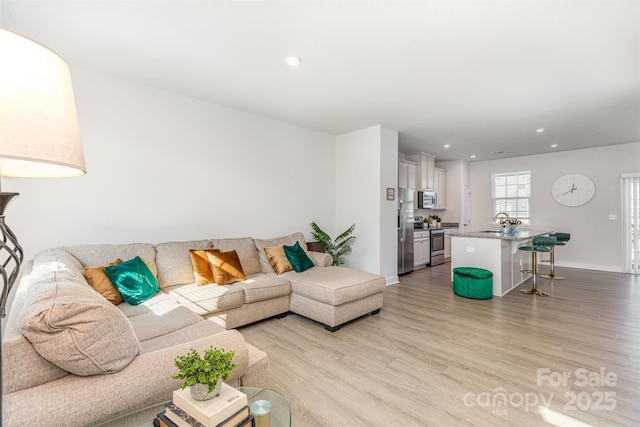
(324, 293)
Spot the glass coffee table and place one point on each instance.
(278, 407)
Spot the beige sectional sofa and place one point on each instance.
(70, 357)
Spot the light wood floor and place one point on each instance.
(433, 358)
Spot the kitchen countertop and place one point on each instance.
(495, 234)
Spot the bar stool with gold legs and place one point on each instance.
(561, 240)
(540, 244)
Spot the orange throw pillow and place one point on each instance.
(201, 267)
(278, 259)
(98, 280)
(226, 267)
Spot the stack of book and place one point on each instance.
(229, 409)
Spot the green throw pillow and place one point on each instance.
(298, 258)
(134, 280)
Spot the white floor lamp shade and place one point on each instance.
(39, 134)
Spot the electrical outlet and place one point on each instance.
(613, 217)
(471, 249)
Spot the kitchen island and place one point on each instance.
(497, 252)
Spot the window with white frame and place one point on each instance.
(511, 194)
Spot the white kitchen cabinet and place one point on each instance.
(440, 185)
(421, 249)
(426, 164)
(447, 242)
(406, 174)
(447, 247)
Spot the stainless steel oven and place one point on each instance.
(437, 246)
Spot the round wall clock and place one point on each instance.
(573, 190)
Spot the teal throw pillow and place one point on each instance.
(298, 258)
(134, 280)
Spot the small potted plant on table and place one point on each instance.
(204, 375)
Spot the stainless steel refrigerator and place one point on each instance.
(405, 230)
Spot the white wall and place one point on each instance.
(388, 208)
(166, 167)
(366, 164)
(595, 240)
(457, 177)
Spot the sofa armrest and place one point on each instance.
(320, 259)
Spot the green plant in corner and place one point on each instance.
(194, 369)
(339, 247)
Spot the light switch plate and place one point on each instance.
(471, 249)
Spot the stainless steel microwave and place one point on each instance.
(427, 199)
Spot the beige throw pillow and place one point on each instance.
(98, 280)
(74, 327)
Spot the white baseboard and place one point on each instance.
(392, 280)
(609, 268)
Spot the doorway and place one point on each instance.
(631, 222)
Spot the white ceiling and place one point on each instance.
(478, 75)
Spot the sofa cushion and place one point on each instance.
(208, 299)
(261, 287)
(246, 249)
(334, 285)
(174, 263)
(73, 326)
(134, 280)
(159, 304)
(89, 255)
(226, 267)
(289, 240)
(298, 258)
(278, 259)
(202, 271)
(147, 327)
(98, 280)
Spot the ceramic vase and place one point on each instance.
(201, 391)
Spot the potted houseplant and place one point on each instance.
(510, 225)
(204, 375)
(339, 247)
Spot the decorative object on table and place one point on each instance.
(338, 248)
(573, 190)
(509, 225)
(261, 409)
(435, 221)
(181, 418)
(39, 131)
(204, 375)
(211, 412)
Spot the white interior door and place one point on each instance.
(466, 208)
(631, 222)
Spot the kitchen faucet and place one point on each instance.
(500, 214)
(503, 220)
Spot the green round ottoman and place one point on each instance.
(473, 282)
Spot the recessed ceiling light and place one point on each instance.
(293, 61)
(540, 130)
(473, 156)
(554, 145)
(447, 145)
